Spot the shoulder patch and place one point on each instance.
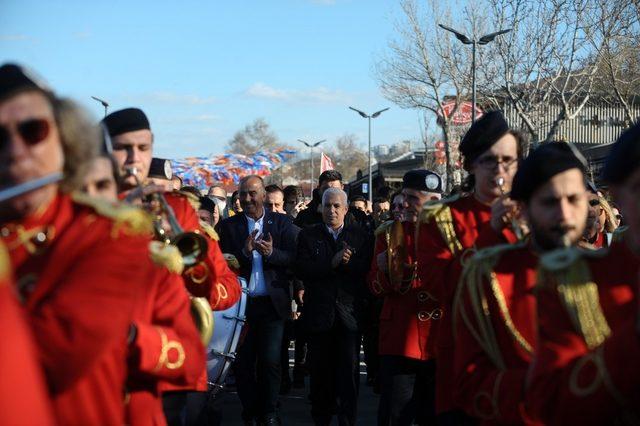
(208, 229)
(193, 200)
(567, 272)
(440, 212)
(167, 256)
(383, 227)
(132, 219)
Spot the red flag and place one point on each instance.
(326, 163)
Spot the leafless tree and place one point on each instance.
(550, 63)
(423, 67)
(257, 136)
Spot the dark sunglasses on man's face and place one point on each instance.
(31, 131)
(594, 202)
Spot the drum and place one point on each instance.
(221, 351)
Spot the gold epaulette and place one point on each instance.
(232, 262)
(193, 200)
(478, 269)
(440, 212)
(132, 219)
(5, 264)
(167, 256)
(383, 227)
(618, 234)
(208, 229)
(567, 270)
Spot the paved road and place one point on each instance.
(295, 406)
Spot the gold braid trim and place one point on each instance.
(166, 255)
(383, 227)
(508, 321)
(168, 345)
(208, 229)
(478, 321)
(568, 270)
(441, 213)
(232, 261)
(4, 263)
(193, 200)
(131, 220)
(595, 357)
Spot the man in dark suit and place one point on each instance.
(332, 260)
(264, 243)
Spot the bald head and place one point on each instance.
(252, 195)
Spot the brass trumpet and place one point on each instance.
(397, 257)
(192, 247)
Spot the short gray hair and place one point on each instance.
(329, 192)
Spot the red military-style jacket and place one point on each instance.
(77, 269)
(211, 278)
(167, 347)
(408, 310)
(446, 230)
(494, 329)
(586, 367)
(23, 395)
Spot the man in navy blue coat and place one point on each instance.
(264, 244)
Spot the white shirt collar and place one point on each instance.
(335, 233)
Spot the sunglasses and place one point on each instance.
(594, 202)
(31, 131)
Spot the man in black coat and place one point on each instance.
(332, 260)
(264, 244)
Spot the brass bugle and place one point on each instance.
(192, 246)
(32, 185)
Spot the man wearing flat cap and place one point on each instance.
(406, 347)
(210, 277)
(494, 313)
(481, 216)
(585, 370)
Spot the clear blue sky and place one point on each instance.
(202, 70)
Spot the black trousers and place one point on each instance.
(257, 366)
(334, 374)
(186, 408)
(408, 391)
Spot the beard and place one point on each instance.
(556, 236)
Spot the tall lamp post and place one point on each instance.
(311, 146)
(104, 103)
(485, 39)
(369, 117)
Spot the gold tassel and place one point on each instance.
(166, 255)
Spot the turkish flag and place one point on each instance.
(325, 163)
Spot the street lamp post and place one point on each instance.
(311, 146)
(485, 39)
(104, 103)
(369, 117)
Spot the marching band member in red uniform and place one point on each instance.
(165, 345)
(407, 364)
(22, 386)
(491, 152)
(76, 264)
(494, 308)
(132, 142)
(585, 370)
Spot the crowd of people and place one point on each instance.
(512, 299)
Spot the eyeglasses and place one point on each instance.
(491, 162)
(594, 202)
(619, 216)
(31, 131)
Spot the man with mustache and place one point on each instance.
(407, 365)
(586, 364)
(491, 151)
(494, 308)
